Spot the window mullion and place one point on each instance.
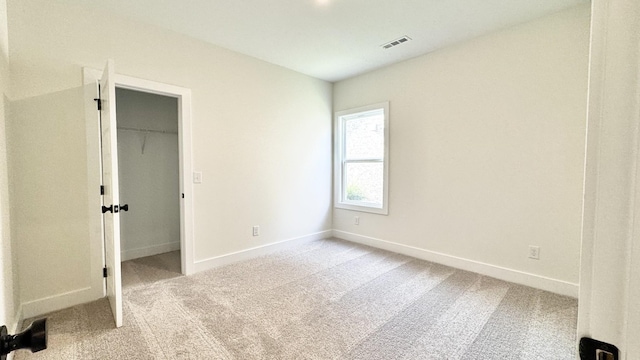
(363, 160)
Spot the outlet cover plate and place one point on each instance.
(197, 177)
(534, 252)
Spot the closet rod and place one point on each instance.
(147, 130)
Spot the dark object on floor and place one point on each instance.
(34, 338)
(591, 349)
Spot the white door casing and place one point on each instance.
(608, 308)
(184, 158)
(110, 198)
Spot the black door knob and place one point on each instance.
(124, 207)
(107, 209)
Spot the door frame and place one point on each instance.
(608, 309)
(185, 156)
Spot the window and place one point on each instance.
(362, 158)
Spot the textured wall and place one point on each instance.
(487, 147)
(261, 138)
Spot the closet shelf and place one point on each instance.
(148, 130)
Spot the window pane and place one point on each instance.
(363, 182)
(364, 137)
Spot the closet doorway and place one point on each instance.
(149, 183)
(102, 172)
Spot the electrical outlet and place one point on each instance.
(197, 177)
(534, 252)
(356, 220)
(256, 230)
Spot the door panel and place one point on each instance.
(111, 196)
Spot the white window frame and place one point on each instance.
(339, 161)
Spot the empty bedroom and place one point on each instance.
(320, 179)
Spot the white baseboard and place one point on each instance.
(76, 297)
(226, 259)
(510, 275)
(58, 302)
(148, 251)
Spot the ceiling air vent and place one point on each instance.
(396, 42)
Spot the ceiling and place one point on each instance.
(332, 39)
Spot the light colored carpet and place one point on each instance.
(325, 299)
(148, 270)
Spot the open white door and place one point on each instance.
(110, 200)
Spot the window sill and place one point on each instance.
(367, 209)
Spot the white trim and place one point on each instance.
(186, 161)
(57, 302)
(210, 263)
(515, 276)
(94, 180)
(608, 309)
(149, 250)
(338, 155)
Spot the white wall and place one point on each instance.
(49, 193)
(148, 173)
(487, 150)
(9, 302)
(261, 138)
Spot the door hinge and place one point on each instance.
(98, 100)
(104, 272)
(101, 189)
(183, 195)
